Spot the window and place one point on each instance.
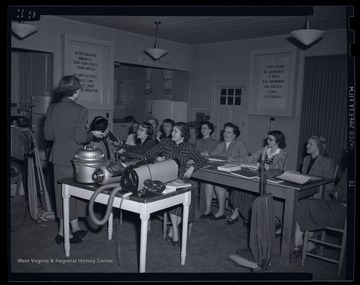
(231, 96)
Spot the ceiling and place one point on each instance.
(199, 28)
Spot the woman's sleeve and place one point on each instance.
(48, 131)
(241, 150)
(281, 161)
(82, 135)
(199, 160)
(253, 158)
(154, 152)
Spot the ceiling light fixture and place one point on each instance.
(307, 36)
(156, 52)
(22, 30)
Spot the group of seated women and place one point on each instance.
(173, 142)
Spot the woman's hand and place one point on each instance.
(98, 134)
(204, 153)
(189, 172)
(121, 150)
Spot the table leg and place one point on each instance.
(185, 227)
(66, 197)
(110, 225)
(144, 216)
(287, 240)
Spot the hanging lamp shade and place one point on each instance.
(156, 52)
(307, 36)
(23, 30)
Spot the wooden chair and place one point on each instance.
(324, 242)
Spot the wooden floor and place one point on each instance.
(35, 256)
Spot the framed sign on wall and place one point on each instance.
(272, 75)
(92, 61)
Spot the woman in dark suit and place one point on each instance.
(65, 124)
(317, 162)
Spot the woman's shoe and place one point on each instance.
(214, 218)
(205, 216)
(60, 239)
(175, 243)
(297, 251)
(232, 221)
(168, 238)
(80, 234)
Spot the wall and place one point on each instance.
(127, 47)
(233, 59)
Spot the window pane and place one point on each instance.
(223, 92)
(231, 91)
(222, 100)
(238, 92)
(237, 101)
(230, 100)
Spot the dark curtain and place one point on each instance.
(323, 109)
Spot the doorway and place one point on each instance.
(229, 105)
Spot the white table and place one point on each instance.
(143, 206)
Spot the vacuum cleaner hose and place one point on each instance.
(116, 189)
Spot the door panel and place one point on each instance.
(230, 105)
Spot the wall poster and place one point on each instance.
(91, 61)
(271, 89)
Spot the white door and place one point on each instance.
(229, 105)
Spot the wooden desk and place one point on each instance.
(144, 206)
(288, 192)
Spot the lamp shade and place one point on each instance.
(156, 53)
(307, 36)
(23, 30)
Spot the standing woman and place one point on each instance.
(317, 162)
(179, 147)
(65, 124)
(274, 157)
(234, 149)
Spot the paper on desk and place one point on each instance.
(297, 177)
(175, 184)
(252, 166)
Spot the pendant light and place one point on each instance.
(307, 36)
(22, 30)
(156, 52)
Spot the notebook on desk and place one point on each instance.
(245, 173)
(218, 158)
(297, 177)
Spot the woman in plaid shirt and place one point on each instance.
(178, 147)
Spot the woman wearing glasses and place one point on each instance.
(144, 140)
(275, 158)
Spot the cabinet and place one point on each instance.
(124, 94)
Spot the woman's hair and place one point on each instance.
(68, 86)
(234, 127)
(320, 142)
(209, 124)
(131, 129)
(99, 123)
(169, 121)
(184, 130)
(148, 127)
(279, 138)
(155, 119)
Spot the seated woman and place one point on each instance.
(274, 157)
(165, 130)
(107, 142)
(316, 214)
(131, 138)
(144, 141)
(155, 123)
(317, 162)
(179, 147)
(234, 149)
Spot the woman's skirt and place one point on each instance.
(242, 200)
(316, 214)
(178, 210)
(78, 207)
